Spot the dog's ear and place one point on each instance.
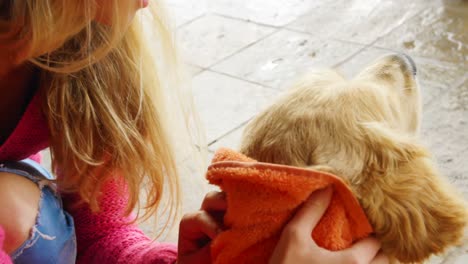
(414, 211)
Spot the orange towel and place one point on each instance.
(261, 199)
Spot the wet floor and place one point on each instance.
(243, 53)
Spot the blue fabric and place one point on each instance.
(52, 239)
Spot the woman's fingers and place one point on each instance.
(203, 255)
(196, 230)
(365, 251)
(199, 225)
(214, 201)
(380, 259)
(312, 211)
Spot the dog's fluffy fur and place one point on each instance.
(365, 131)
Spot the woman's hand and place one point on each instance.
(197, 230)
(296, 245)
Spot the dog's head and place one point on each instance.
(365, 131)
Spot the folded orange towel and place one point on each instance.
(261, 199)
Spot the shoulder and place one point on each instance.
(19, 200)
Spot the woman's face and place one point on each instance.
(105, 9)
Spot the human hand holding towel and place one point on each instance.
(197, 230)
(296, 246)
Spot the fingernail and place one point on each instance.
(324, 192)
(328, 191)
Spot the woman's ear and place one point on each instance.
(414, 211)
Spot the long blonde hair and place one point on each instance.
(105, 103)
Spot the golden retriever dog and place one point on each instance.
(365, 130)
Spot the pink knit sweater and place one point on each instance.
(102, 238)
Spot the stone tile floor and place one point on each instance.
(243, 53)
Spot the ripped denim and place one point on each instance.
(52, 238)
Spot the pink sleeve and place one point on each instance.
(106, 237)
(4, 257)
(36, 157)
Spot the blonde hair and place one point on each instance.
(105, 103)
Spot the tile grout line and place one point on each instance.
(248, 81)
(190, 21)
(229, 132)
(347, 59)
(210, 67)
(246, 20)
(274, 30)
(422, 9)
(372, 43)
(243, 48)
(277, 29)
